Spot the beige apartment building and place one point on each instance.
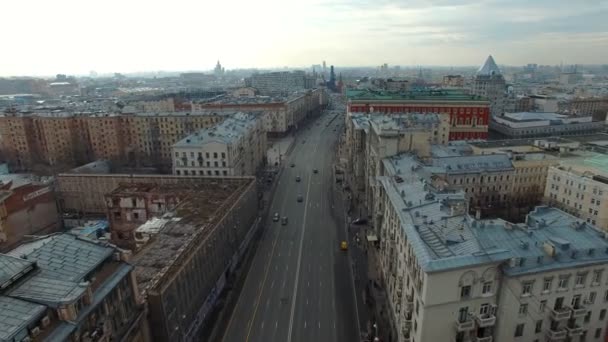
(580, 189)
(66, 139)
(484, 280)
(279, 114)
(235, 147)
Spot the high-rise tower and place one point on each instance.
(490, 84)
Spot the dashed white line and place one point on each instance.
(308, 284)
(304, 324)
(319, 325)
(262, 324)
(272, 285)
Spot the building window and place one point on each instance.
(208, 172)
(519, 330)
(526, 288)
(523, 308)
(484, 309)
(539, 326)
(207, 155)
(543, 304)
(201, 173)
(216, 164)
(592, 296)
(225, 173)
(223, 155)
(217, 172)
(215, 155)
(178, 172)
(598, 332)
(547, 284)
(602, 314)
(465, 292)
(588, 316)
(580, 280)
(563, 283)
(487, 287)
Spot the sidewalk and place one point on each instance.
(278, 149)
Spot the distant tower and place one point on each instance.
(331, 84)
(218, 71)
(324, 69)
(490, 83)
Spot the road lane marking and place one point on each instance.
(257, 302)
(262, 324)
(272, 285)
(319, 325)
(299, 264)
(304, 324)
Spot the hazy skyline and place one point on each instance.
(75, 37)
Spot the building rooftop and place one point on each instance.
(447, 95)
(16, 315)
(452, 149)
(403, 121)
(201, 205)
(229, 130)
(444, 237)
(474, 163)
(489, 68)
(12, 268)
(534, 116)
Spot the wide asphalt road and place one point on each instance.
(299, 287)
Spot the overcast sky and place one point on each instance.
(43, 37)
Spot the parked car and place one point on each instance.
(275, 218)
(300, 198)
(298, 178)
(360, 220)
(284, 220)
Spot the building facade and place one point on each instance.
(579, 190)
(235, 147)
(26, 209)
(69, 140)
(453, 81)
(468, 114)
(282, 82)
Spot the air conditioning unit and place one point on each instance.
(45, 321)
(35, 331)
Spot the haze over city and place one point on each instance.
(298, 171)
(76, 37)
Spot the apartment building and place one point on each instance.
(235, 147)
(484, 280)
(279, 114)
(280, 82)
(456, 81)
(370, 138)
(468, 113)
(66, 288)
(584, 106)
(580, 187)
(72, 139)
(201, 230)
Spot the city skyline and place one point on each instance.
(75, 38)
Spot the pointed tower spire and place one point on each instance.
(489, 68)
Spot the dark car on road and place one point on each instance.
(300, 198)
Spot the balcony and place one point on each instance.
(407, 322)
(561, 314)
(465, 325)
(574, 330)
(579, 311)
(483, 339)
(486, 320)
(556, 335)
